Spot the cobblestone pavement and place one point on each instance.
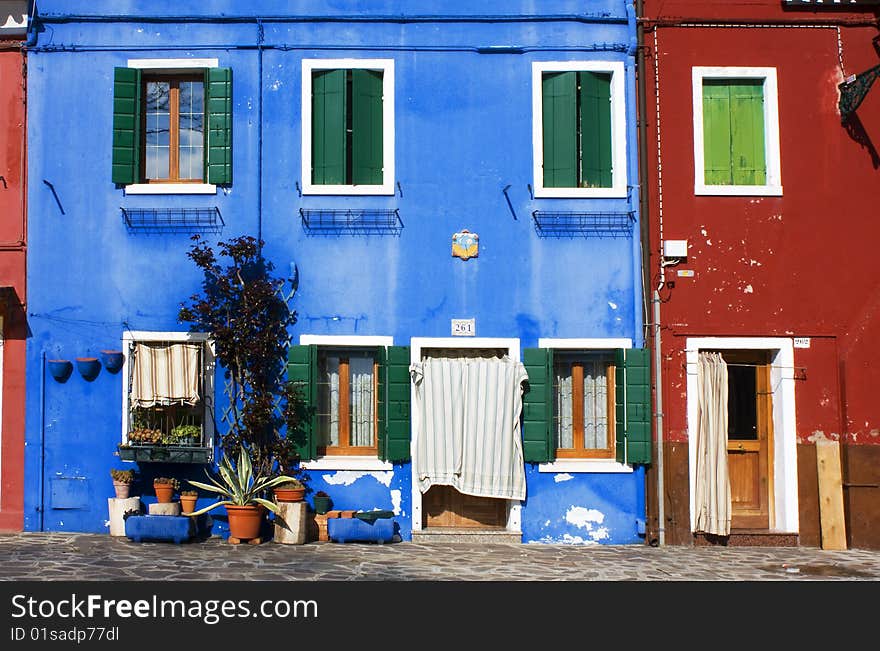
(100, 557)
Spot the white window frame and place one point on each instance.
(387, 68)
(133, 336)
(609, 465)
(347, 462)
(172, 66)
(773, 185)
(784, 506)
(618, 129)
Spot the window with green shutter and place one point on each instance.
(358, 400)
(576, 126)
(587, 404)
(733, 132)
(172, 127)
(347, 127)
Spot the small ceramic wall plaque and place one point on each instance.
(465, 245)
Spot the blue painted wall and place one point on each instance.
(463, 154)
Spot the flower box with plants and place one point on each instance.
(184, 435)
(122, 481)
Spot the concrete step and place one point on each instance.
(748, 538)
(466, 535)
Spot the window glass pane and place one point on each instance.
(361, 401)
(563, 407)
(191, 130)
(158, 129)
(595, 406)
(328, 401)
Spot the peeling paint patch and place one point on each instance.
(566, 539)
(546, 524)
(819, 435)
(562, 476)
(599, 534)
(584, 518)
(874, 432)
(395, 501)
(748, 289)
(612, 305)
(348, 477)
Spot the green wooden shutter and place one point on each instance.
(595, 96)
(717, 163)
(126, 125)
(218, 103)
(559, 114)
(328, 127)
(366, 127)
(302, 370)
(632, 389)
(394, 404)
(747, 132)
(538, 434)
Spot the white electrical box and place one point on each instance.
(675, 248)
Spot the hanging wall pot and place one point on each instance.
(112, 360)
(60, 369)
(88, 367)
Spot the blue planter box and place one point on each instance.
(356, 530)
(171, 528)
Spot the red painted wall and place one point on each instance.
(801, 265)
(13, 229)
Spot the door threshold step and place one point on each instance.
(466, 535)
(748, 538)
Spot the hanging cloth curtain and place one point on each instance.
(712, 490)
(469, 432)
(165, 374)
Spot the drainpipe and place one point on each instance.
(42, 438)
(645, 236)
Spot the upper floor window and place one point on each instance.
(736, 131)
(348, 126)
(172, 126)
(579, 139)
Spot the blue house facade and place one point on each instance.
(454, 189)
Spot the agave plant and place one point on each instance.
(239, 484)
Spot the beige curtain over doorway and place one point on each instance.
(712, 490)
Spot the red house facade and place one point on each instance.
(13, 236)
(760, 135)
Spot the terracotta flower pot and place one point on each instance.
(289, 494)
(245, 521)
(164, 492)
(188, 503)
(122, 489)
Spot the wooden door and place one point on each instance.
(749, 438)
(443, 506)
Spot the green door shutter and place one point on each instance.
(126, 125)
(632, 388)
(366, 127)
(218, 102)
(747, 132)
(394, 404)
(717, 164)
(595, 95)
(328, 127)
(559, 113)
(302, 370)
(538, 435)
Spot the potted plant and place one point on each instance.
(144, 436)
(185, 435)
(122, 480)
(322, 502)
(165, 487)
(290, 491)
(188, 501)
(243, 489)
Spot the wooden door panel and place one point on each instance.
(443, 506)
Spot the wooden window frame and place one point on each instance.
(344, 448)
(578, 451)
(174, 131)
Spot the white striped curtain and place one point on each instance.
(468, 427)
(712, 490)
(165, 374)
